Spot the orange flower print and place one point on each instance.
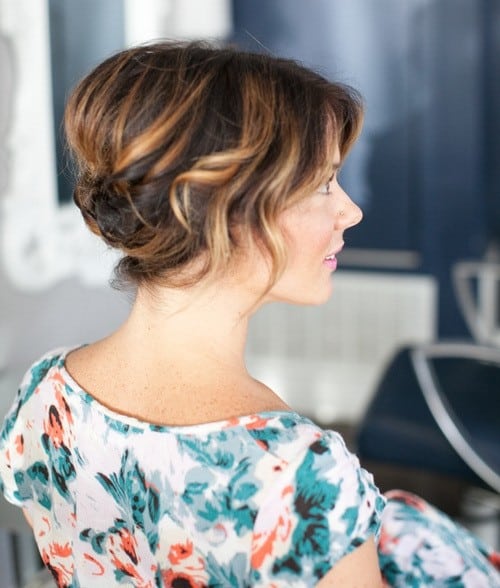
(387, 542)
(127, 569)
(408, 498)
(58, 550)
(62, 571)
(19, 441)
(99, 568)
(495, 559)
(278, 530)
(128, 543)
(173, 579)
(48, 526)
(180, 551)
(257, 422)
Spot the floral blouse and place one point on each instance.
(268, 499)
(262, 500)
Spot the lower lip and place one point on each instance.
(331, 263)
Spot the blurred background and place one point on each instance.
(421, 268)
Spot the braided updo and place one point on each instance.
(176, 143)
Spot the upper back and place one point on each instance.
(234, 502)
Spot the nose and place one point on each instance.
(349, 213)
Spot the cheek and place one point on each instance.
(320, 237)
(324, 235)
(311, 247)
(308, 233)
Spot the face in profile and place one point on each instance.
(313, 231)
(175, 144)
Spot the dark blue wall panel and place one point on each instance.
(425, 170)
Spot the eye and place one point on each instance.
(327, 188)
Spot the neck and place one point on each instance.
(179, 357)
(206, 327)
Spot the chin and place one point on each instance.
(320, 299)
(309, 298)
(321, 295)
(298, 295)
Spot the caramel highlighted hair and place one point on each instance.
(175, 144)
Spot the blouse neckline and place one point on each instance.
(246, 420)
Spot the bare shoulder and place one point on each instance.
(78, 357)
(175, 396)
(100, 372)
(90, 366)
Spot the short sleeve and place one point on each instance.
(323, 507)
(11, 453)
(23, 474)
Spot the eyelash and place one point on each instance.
(325, 188)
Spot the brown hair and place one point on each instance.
(176, 143)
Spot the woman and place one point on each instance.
(152, 457)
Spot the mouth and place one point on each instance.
(330, 262)
(331, 259)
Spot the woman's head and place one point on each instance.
(183, 150)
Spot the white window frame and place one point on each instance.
(42, 241)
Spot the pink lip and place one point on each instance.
(331, 263)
